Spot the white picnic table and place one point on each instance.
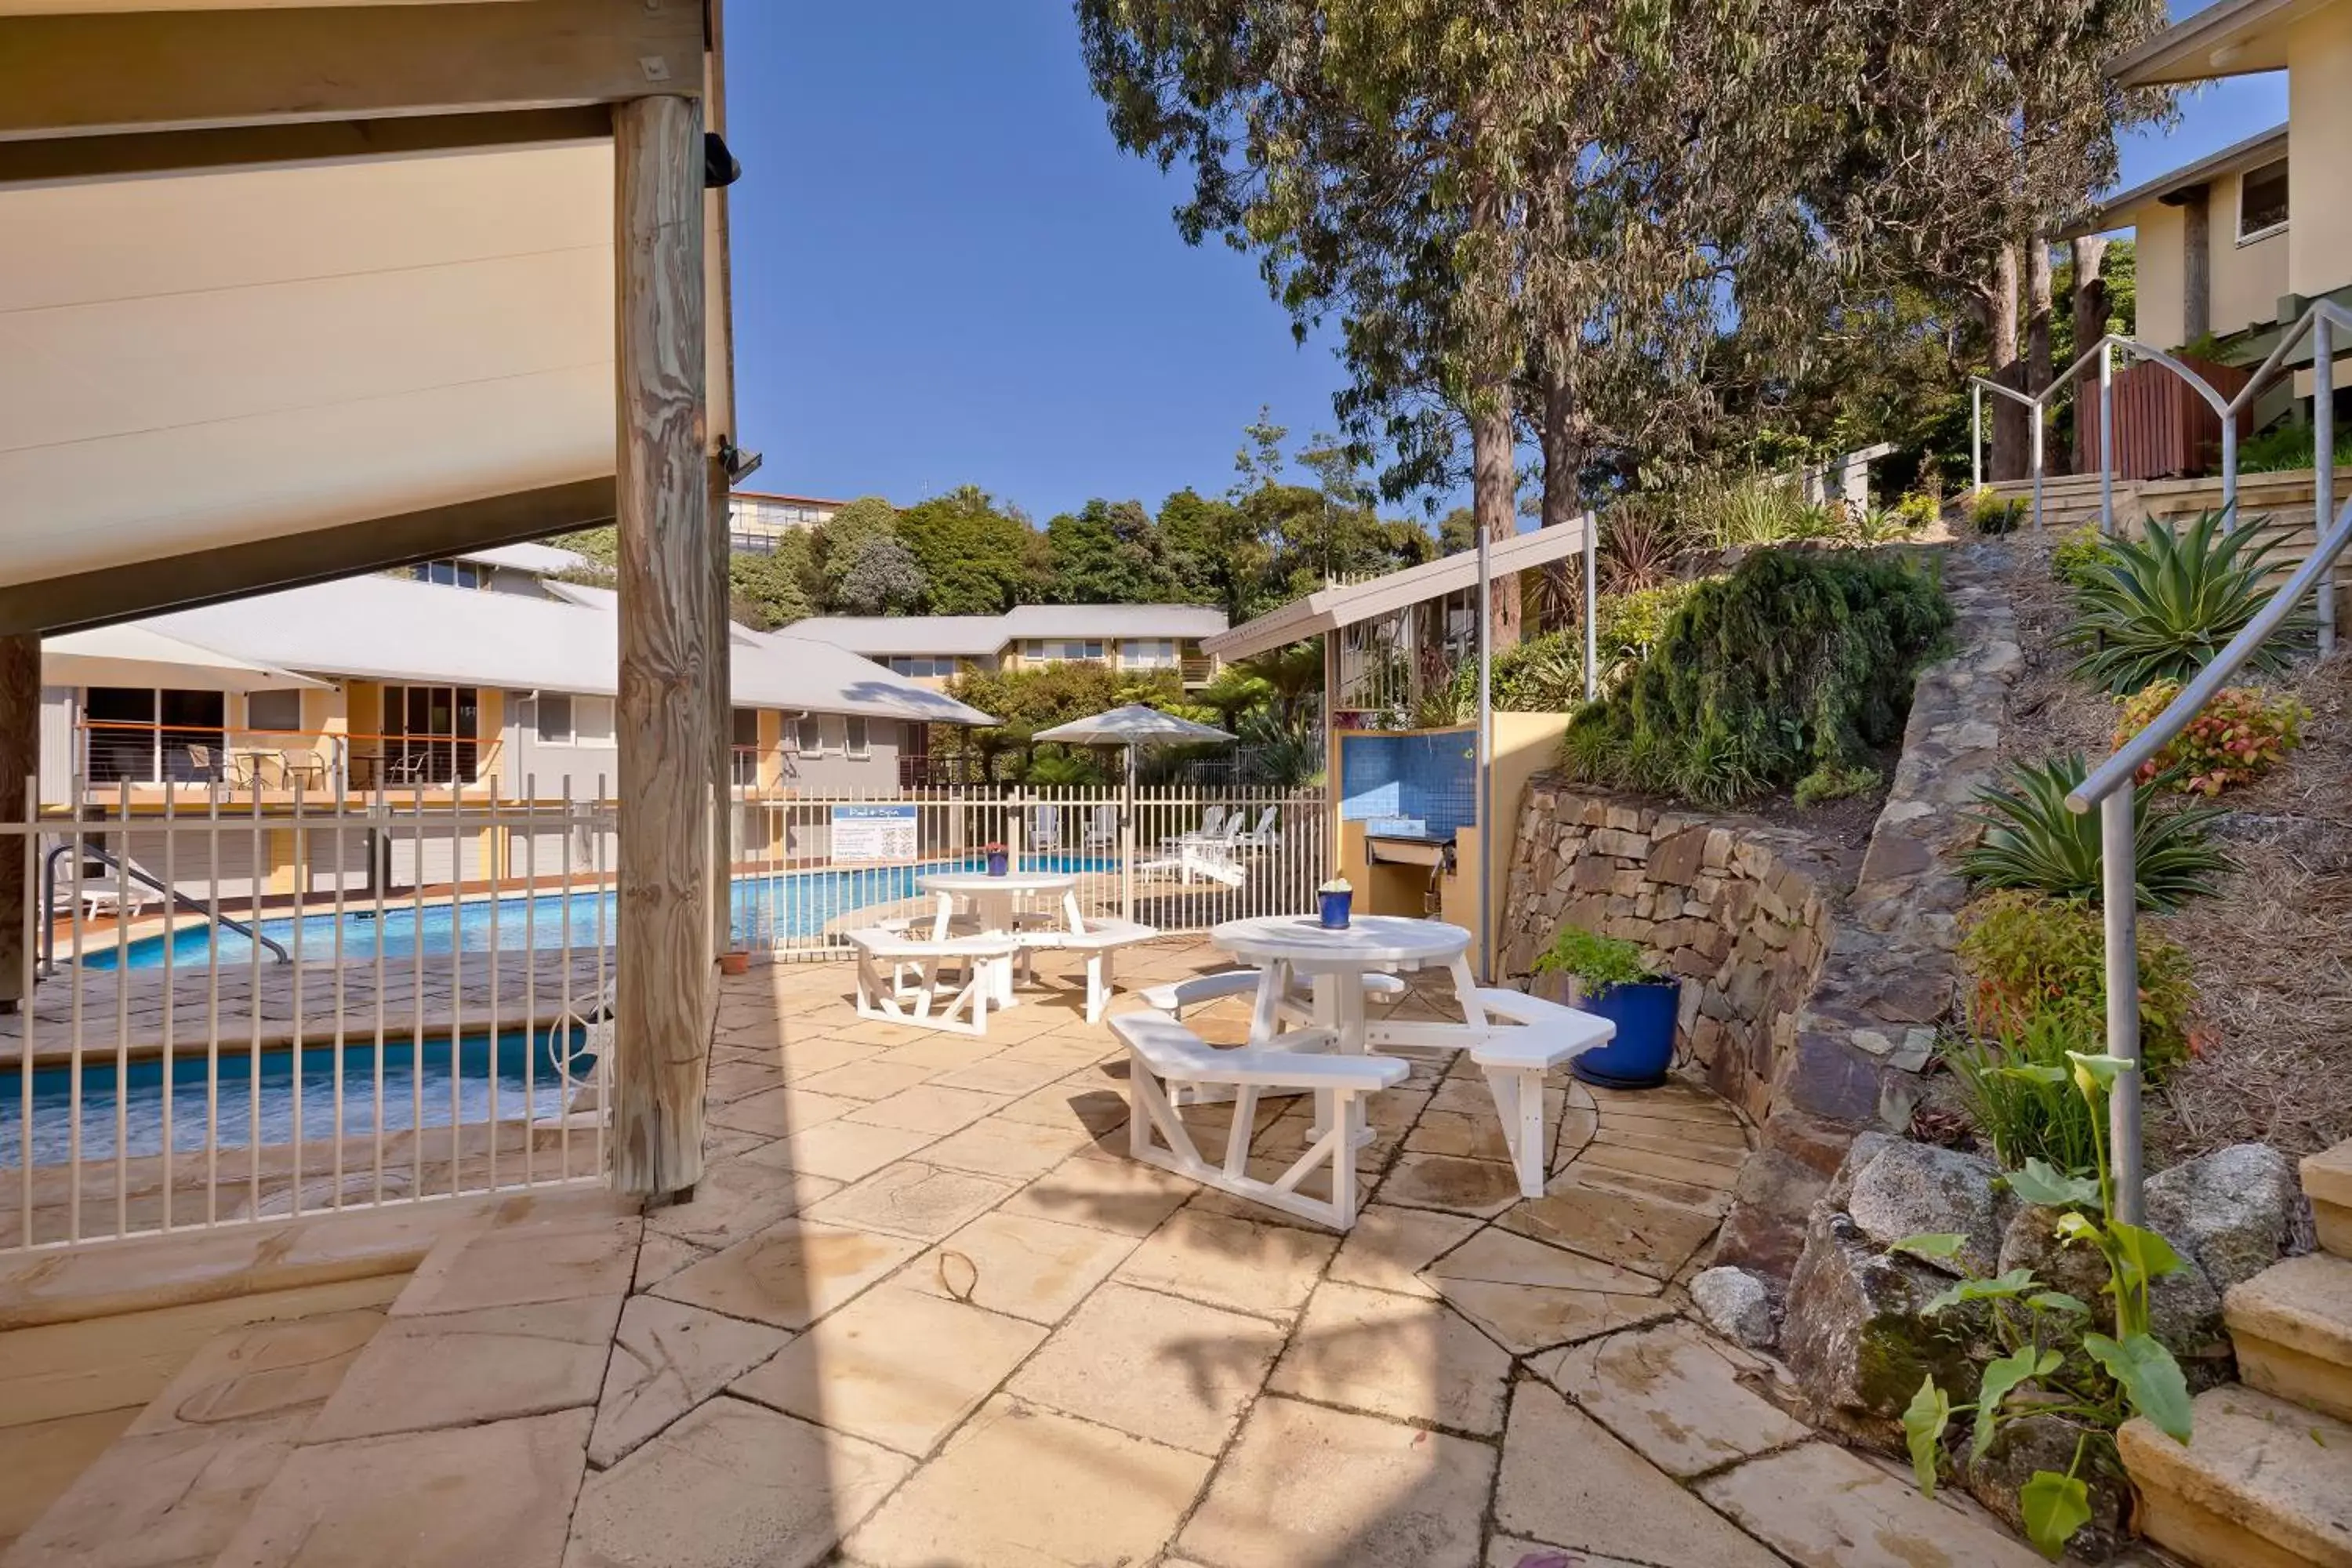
(1334, 962)
(996, 902)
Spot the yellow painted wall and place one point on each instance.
(2247, 279)
(492, 760)
(2319, 190)
(2159, 290)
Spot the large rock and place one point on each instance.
(1735, 1304)
(1908, 1188)
(2184, 1308)
(2233, 1210)
(1853, 1336)
(2048, 1443)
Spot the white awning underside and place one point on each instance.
(204, 359)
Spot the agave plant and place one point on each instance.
(2030, 840)
(2160, 608)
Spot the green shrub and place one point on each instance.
(2032, 841)
(2241, 734)
(2035, 962)
(1796, 665)
(2162, 606)
(1539, 675)
(1598, 962)
(2020, 1114)
(1759, 512)
(2079, 556)
(1990, 513)
(1920, 509)
(2290, 446)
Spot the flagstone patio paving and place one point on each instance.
(923, 1314)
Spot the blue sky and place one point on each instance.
(946, 273)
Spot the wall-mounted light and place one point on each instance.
(719, 168)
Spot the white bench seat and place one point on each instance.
(1162, 1053)
(1199, 990)
(1098, 940)
(884, 954)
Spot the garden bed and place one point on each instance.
(2272, 950)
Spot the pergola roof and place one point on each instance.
(289, 291)
(2234, 38)
(1328, 609)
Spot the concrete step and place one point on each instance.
(2327, 1182)
(2261, 1484)
(2292, 1324)
(175, 1486)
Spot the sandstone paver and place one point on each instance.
(1389, 1246)
(454, 1369)
(516, 1265)
(1155, 1366)
(1506, 1551)
(1115, 1194)
(928, 1108)
(495, 1496)
(998, 1146)
(736, 1198)
(781, 1112)
(1019, 1265)
(163, 1498)
(263, 1369)
(1823, 1507)
(1305, 1485)
(1020, 1485)
(1481, 1187)
(1638, 1233)
(729, 1486)
(912, 1198)
(1674, 1393)
(1403, 1356)
(840, 1151)
(895, 1366)
(1249, 1266)
(1566, 1482)
(791, 1274)
(667, 1359)
(1502, 1258)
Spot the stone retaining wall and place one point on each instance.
(1813, 988)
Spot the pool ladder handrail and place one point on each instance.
(132, 869)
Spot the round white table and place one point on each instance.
(1335, 963)
(994, 902)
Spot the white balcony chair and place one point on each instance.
(932, 1001)
(1213, 821)
(1265, 834)
(1524, 1039)
(1102, 830)
(1045, 829)
(1163, 1053)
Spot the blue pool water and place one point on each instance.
(789, 904)
(426, 1085)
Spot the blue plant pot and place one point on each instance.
(1335, 909)
(998, 863)
(1643, 1047)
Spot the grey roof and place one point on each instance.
(975, 635)
(537, 558)
(382, 627)
(1131, 725)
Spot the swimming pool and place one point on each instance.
(431, 1084)
(788, 904)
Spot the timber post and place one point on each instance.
(663, 963)
(20, 757)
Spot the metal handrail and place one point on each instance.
(2111, 785)
(131, 868)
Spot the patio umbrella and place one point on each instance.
(1132, 726)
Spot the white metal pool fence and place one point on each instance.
(249, 1005)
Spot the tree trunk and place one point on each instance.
(2090, 326)
(2037, 318)
(1563, 453)
(1493, 489)
(1996, 305)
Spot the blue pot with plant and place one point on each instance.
(996, 858)
(1332, 901)
(1612, 983)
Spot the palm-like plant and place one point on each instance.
(2161, 608)
(2030, 840)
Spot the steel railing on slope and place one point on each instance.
(2320, 322)
(2110, 786)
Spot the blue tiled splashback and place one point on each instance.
(1428, 778)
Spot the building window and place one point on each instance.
(857, 729)
(920, 664)
(744, 738)
(431, 734)
(555, 718)
(140, 735)
(451, 573)
(1148, 653)
(808, 736)
(568, 721)
(2262, 202)
(1058, 650)
(277, 711)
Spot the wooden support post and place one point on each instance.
(722, 716)
(20, 757)
(664, 976)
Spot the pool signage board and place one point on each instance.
(874, 833)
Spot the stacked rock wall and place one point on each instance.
(1811, 988)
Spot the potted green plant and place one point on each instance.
(996, 859)
(1332, 900)
(1612, 982)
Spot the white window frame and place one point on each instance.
(593, 719)
(857, 735)
(539, 730)
(2245, 177)
(806, 729)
